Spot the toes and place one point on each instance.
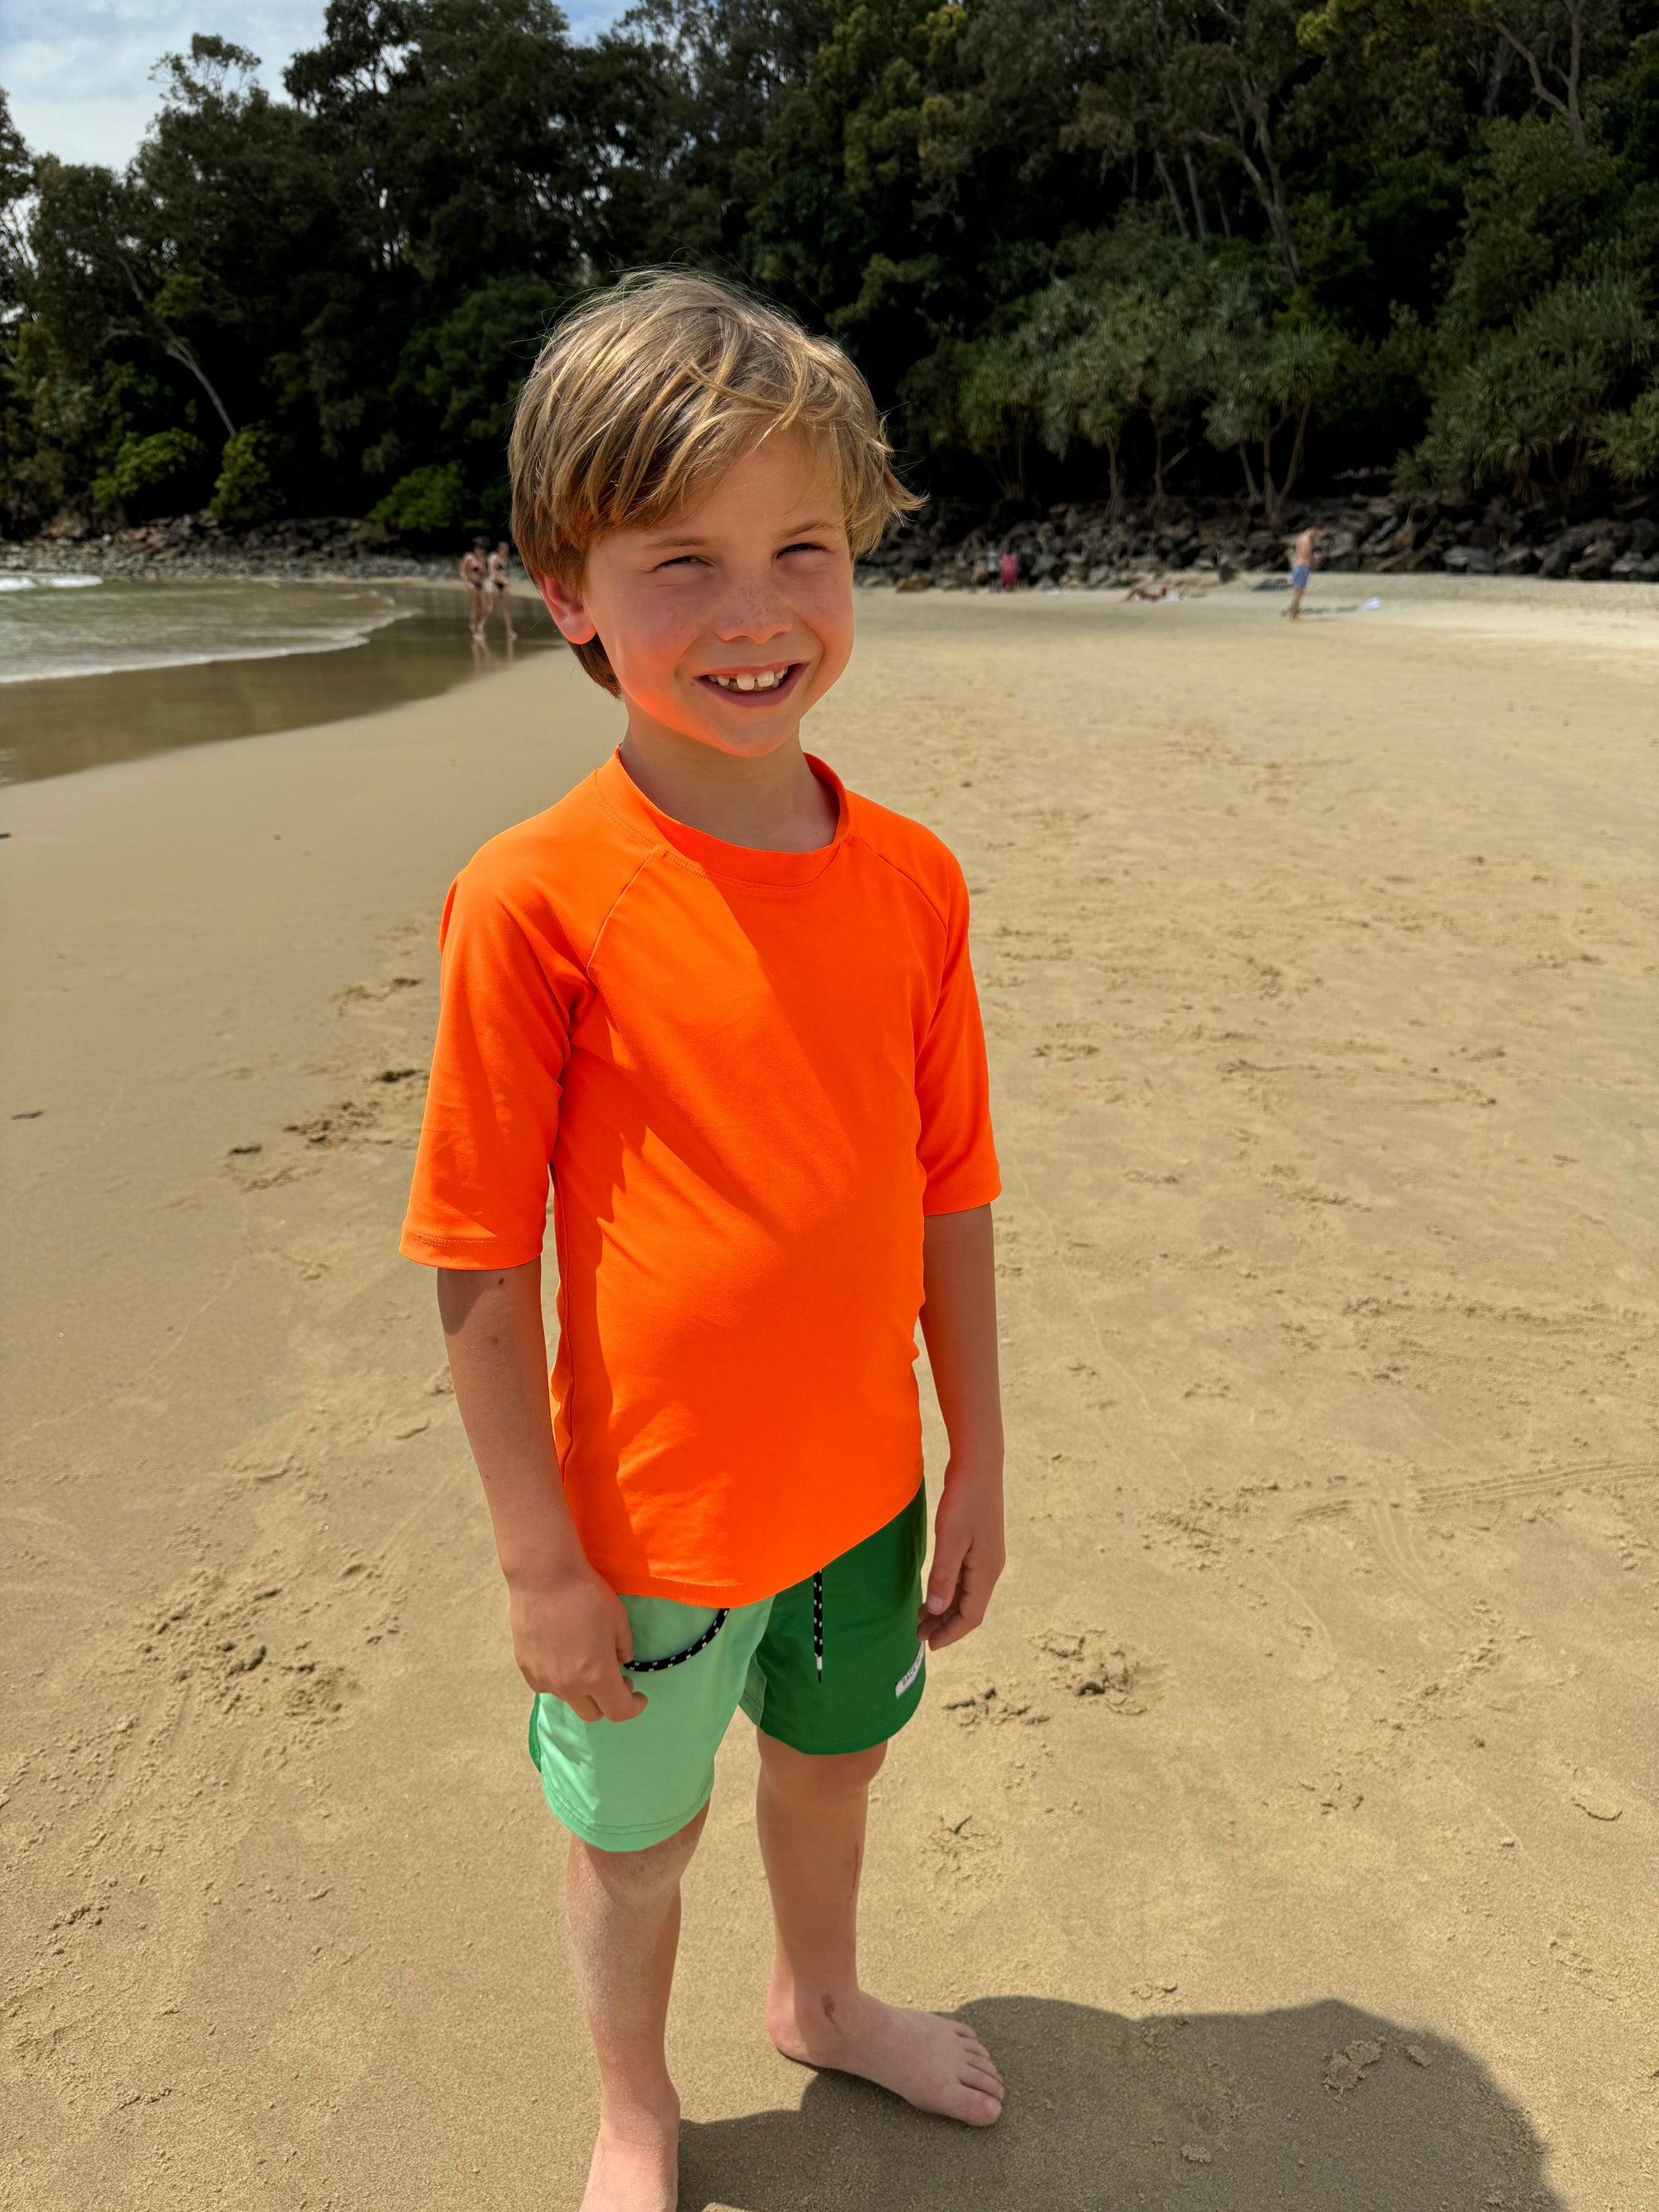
(980, 2109)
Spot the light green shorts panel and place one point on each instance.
(624, 1786)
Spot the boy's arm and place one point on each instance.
(570, 1631)
(959, 1325)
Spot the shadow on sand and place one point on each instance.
(1322, 2109)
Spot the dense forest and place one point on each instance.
(1083, 248)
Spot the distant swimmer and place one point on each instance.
(1302, 563)
(476, 576)
(499, 590)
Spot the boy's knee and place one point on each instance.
(659, 1866)
(825, 1773)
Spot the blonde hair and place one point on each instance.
(647, 393)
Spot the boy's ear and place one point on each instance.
(567, 610)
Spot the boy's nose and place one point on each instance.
(755, 615)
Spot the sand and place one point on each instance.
(1290, 1831)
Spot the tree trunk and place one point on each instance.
(1565, 102)
(1249, 476)
(177, 349)
(1198, 197)
(186, 355)
(1294, 469)
(1269, 185)
(1272, 495)
(1174, 197)
(1495, 77)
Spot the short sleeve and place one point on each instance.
(479, 1198)
(953, 1088)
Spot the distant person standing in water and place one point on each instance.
(476, 576)
(1302, 561)
(499, 594)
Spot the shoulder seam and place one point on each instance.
(599, 934)
(940, 915)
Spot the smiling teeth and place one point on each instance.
(768, 682)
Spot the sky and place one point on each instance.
(77, 72)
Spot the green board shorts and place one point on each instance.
(624, 1786)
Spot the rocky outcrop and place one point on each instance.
(946, 547)
(950, 545)
(196, 545)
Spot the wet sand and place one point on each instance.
(1289, 1830)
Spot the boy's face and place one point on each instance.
(726, 622)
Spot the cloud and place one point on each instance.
(78, 76)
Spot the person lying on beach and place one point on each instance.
(1302, 562)
(728, 1004)
(499, 585)
(1151, 592)
(476, 577)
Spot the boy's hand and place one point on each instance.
(570, 1637)
(968, 1558)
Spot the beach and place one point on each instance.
(1289, 1831)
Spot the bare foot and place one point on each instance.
(939, 2065)
(636, 2163)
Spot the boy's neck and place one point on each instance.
(772, 803)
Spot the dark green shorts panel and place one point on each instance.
(874, 1668)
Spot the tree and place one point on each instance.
(1544, 393)
(1262, 380)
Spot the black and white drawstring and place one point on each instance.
(679, 1658)
(703, 1642)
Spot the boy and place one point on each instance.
(729, 1005)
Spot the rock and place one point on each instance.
(1517, 560)
(1594, 564)
(1633, 568)
(1557, 558)
(1470, 561)
(920, 581)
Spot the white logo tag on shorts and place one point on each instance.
(905, 1679)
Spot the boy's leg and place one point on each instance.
(624, 1909)
(812, 1814)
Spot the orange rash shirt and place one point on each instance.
(751, 1074)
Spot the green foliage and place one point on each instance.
(246, 491)
(1543, 395)
(428, 502)
(1096, 244)
(1628, 442)
(143, 466)
(1535, 204)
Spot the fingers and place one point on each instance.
(950, 1551)
(972, 1600)
(617, 1699)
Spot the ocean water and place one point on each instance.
(94, 670)
(87, 625)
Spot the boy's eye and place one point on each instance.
(678, 561)
(807, 546)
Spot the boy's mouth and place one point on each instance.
(755, 684)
